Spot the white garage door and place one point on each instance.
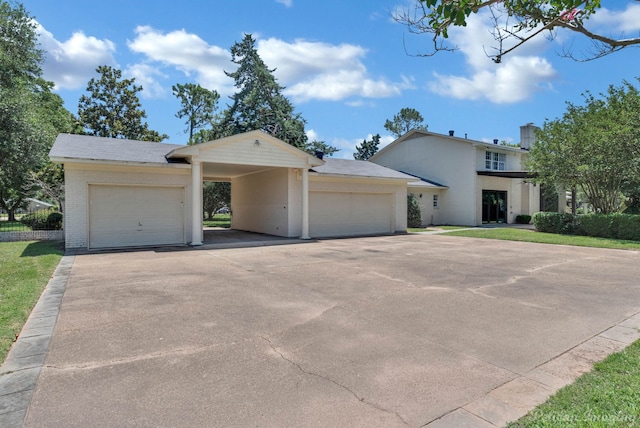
(128, 216)
(348, 214)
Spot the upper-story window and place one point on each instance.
(495, 161)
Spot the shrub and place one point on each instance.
(567, 224)
(43, 220)
(414, 216)
(523, 219)
(615, 226)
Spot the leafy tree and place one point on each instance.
(198, 106)
(405, 121)
(515, 20)
(259, 103)
(368, 148)
(320, 146)
(215, 196)
(30, 115)
(113, 108)
(594, 148)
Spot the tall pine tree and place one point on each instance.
(258, 102)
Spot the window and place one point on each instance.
(435, 201)
(495, 161)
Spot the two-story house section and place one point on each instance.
(462, 181)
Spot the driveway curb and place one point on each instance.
(19, 372)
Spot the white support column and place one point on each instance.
(196, 202)
(305, 204)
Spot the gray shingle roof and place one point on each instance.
(85, 147)
(358, 168)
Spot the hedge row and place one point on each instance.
(614, 226)
(43, 220)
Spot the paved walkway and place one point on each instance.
(403, 330)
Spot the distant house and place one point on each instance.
(465, 182)
(37, 205)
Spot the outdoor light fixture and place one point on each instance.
(256, 143)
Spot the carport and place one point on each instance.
(263, 171)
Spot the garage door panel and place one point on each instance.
(125, 216)
(348, 214)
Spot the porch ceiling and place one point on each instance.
(225, 171)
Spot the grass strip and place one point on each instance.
(24, 272)
(524, 235)
(608, 396)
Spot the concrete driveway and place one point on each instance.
(388, 331)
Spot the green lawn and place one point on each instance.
(608, 396)
(13, 226)
(219, 220)
(524, 235)
(434, 228)
(24, 272)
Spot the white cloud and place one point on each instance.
(188, 53)
(315, 70)
(144, 75)
(287, 3)
(513, 81)
(516, 79)
(627, 20)
(72, 63)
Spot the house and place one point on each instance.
(465, 182)
(37, 205)
(124, 193)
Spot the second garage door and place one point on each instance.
(350, 214)
(131, 216)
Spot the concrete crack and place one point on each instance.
(328, 379)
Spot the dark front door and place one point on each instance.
(494, 206)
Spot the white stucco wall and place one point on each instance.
(260, 202)
(445, 161)
(78, 177)
(429, 213)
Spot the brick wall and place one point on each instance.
(33, 235)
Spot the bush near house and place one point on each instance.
(612, 226)
(414, 216)
(43, 220)
(523, 219)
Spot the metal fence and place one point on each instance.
(31, 223)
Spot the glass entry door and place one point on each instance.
(494, 206)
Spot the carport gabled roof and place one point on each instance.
(249, 148)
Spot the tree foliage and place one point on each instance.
(414, 215)
(112, 108)
(595, 147)
(405, 121)
(215, 195)
(320, 146)
(30, 114)
(198, 106)
(515, 23)
(258, 102)
(367, 149)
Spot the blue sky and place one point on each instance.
(344, 63)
